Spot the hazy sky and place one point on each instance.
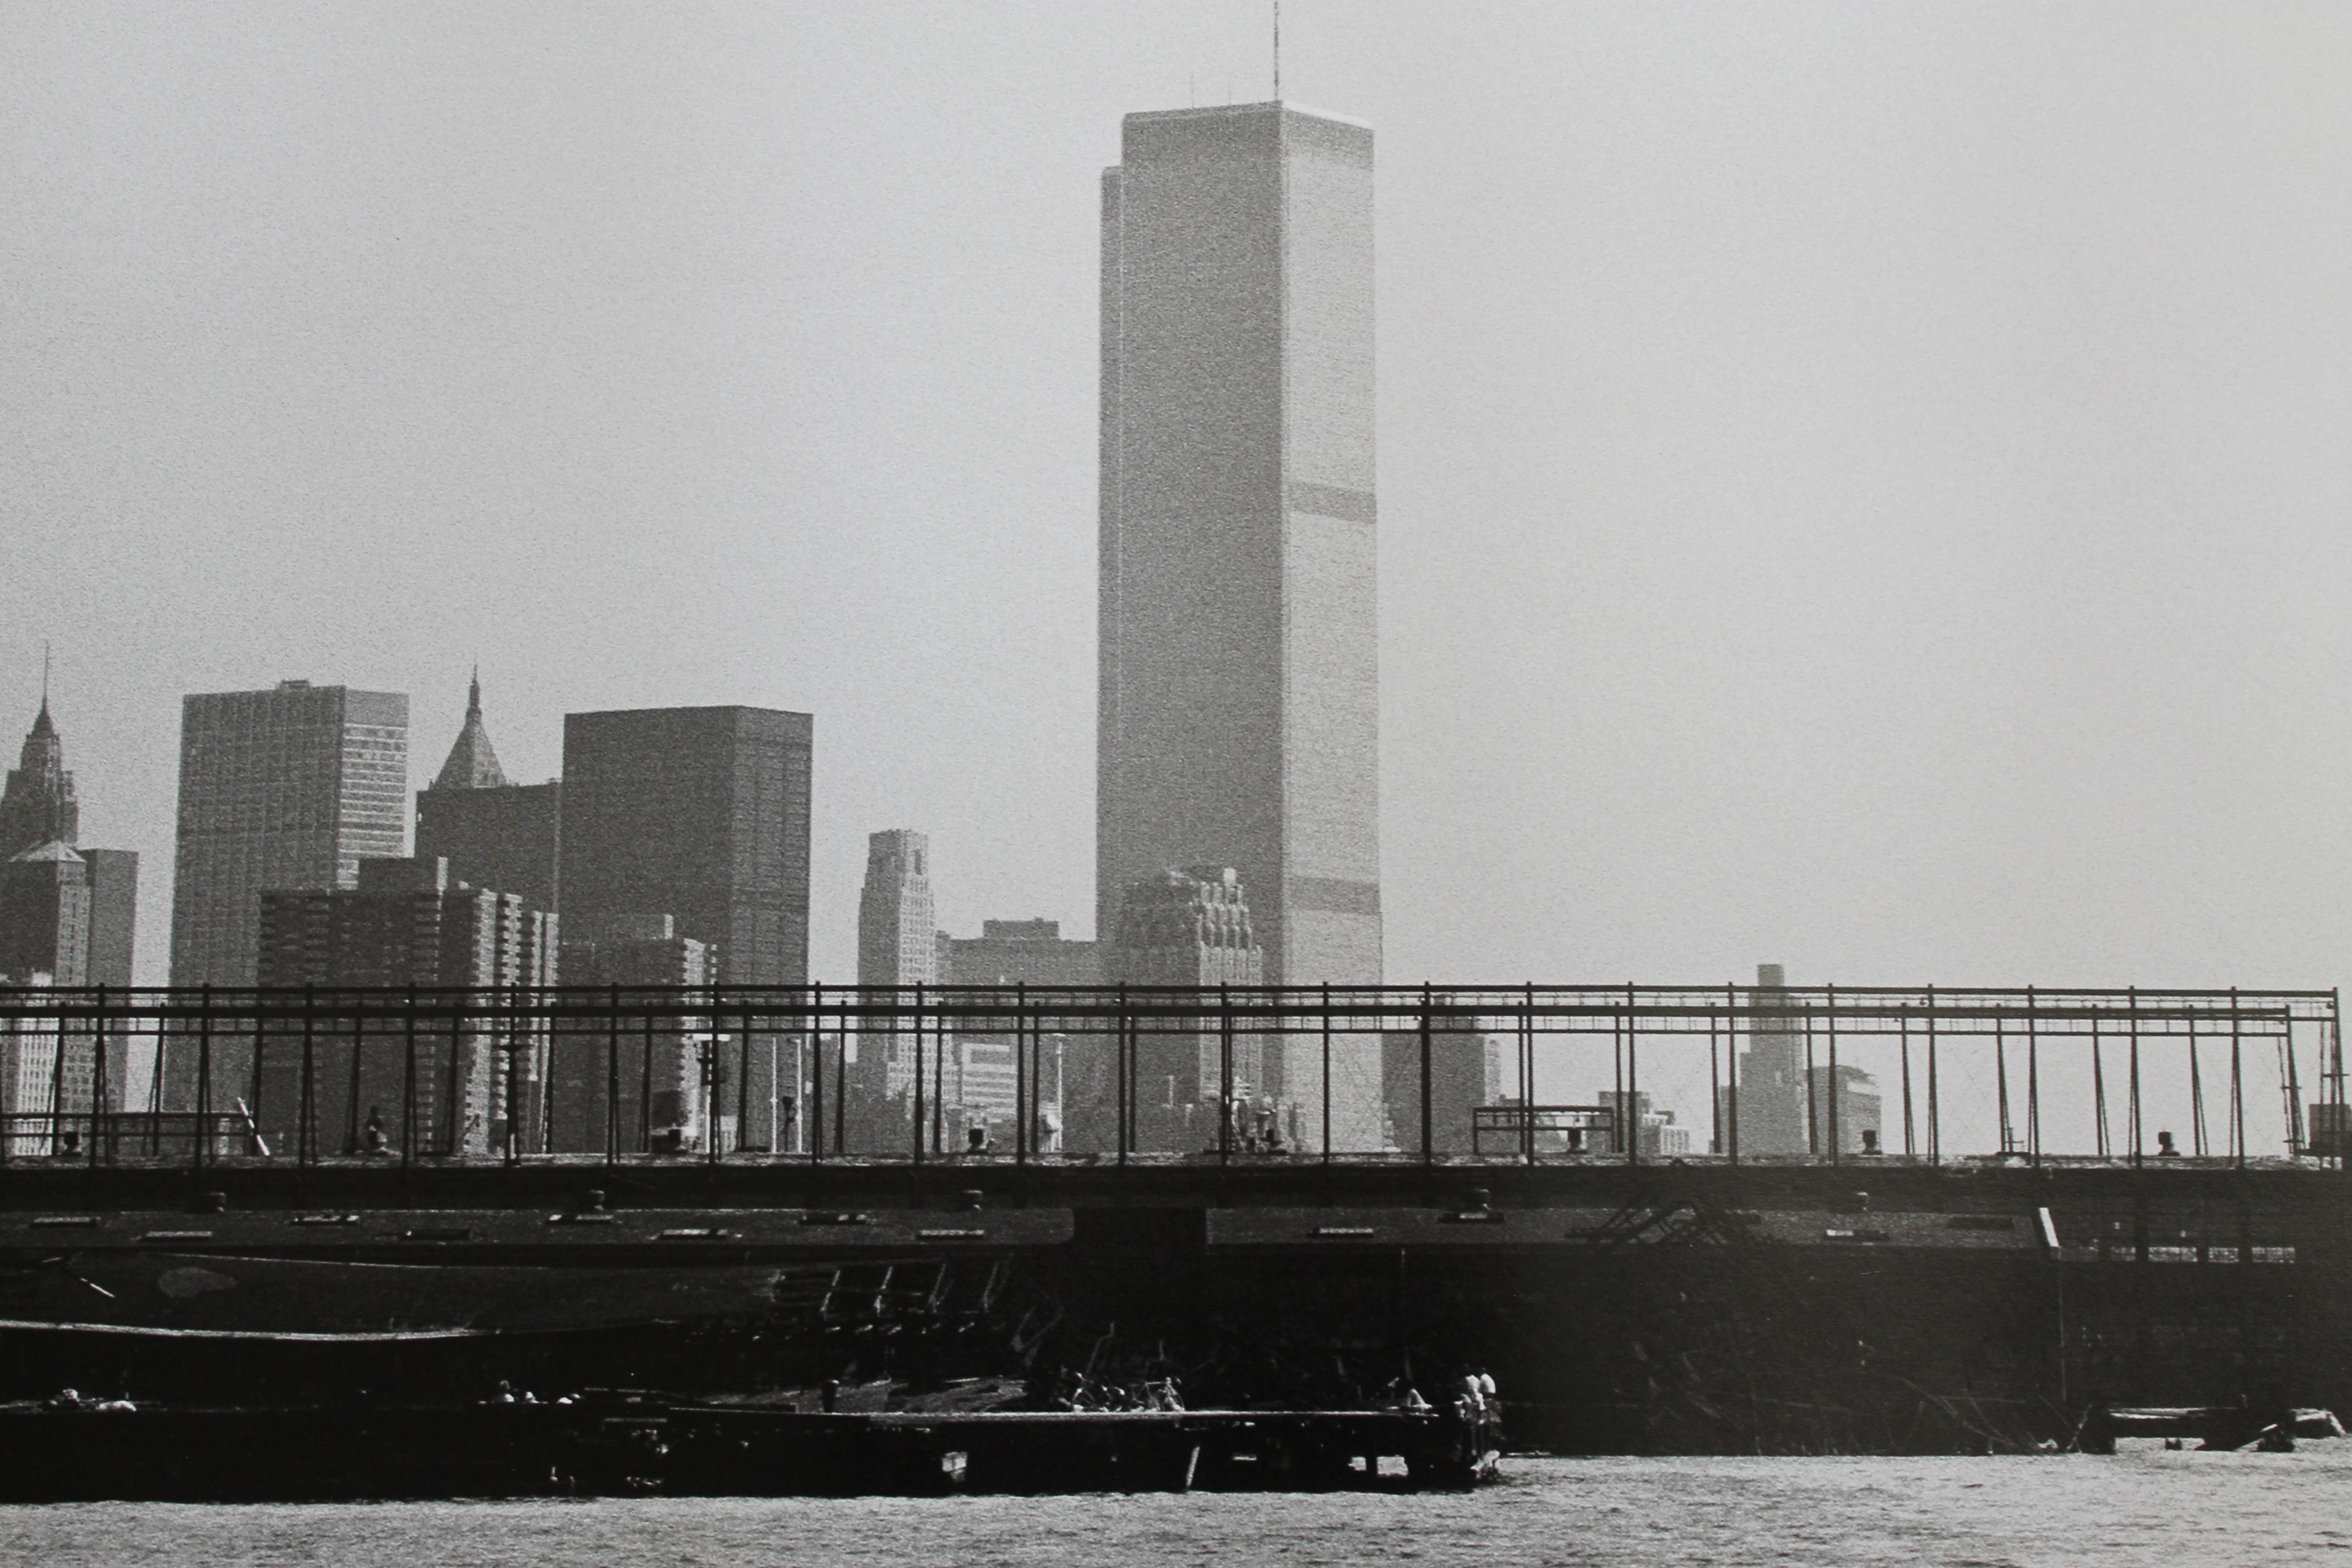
(1862, 485)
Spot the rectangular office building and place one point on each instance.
(1238, 685)
(289, 788)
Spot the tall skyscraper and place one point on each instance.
(897, 944)
(493, 834)
(37, 805)
(1773, 1075)
(897, 937)
(39, 815)
(289, 788)
(697, 813)
(1238, 683)
(700, 813)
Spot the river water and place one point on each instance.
(2139, 1509)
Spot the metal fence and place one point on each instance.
(1128, 1074)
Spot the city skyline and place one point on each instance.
(1820, 521)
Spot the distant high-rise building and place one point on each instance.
(408, 923)
(1855, 1113)
(1018, 952)
(37, 805)
(897, 944)
(701, 813)
(661, 1071)
(493, 834)
(1238, 697)
(1654, 1129)
(288, 789)
(1188, 928)
(978, 1081)
(1771, 1086)
(1465, 1071)
(39, 810)
(897, 936)
(45, 915)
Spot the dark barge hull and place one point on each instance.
(637, 1448)
(1684, 1311)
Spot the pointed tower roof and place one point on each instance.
(38, 805)
(472, 764)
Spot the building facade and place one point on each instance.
(1238, 685)
(1188, 928)
(660, 1071)
(39, 810)
(897, 944)
(286, 789)
(1769, 1110)
(494, 834)
(701, 813)
(1465, 1071)
(444, 1089)
(1018, 952)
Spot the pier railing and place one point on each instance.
(1530, 1074)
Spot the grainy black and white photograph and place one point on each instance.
(1093, 781)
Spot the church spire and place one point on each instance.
(472, 764)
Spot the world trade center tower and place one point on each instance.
(1238, 721)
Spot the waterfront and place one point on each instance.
(2135, 1509)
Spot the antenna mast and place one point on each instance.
(1278, 51)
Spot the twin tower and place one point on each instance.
(1239, 697)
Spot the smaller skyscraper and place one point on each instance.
(408, 923)
(661, 1072)
(1191, 929)
(286, 790)
(45, 915)
(39, 812)
(1465, 1071)
(1772, 1081)
(38, 805)
(1024, 952)
(493, 834)
(897, 944)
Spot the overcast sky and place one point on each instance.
(1862, 486)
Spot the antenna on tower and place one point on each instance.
(44, 674)
(1278, 51)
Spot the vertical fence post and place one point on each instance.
(305, 1131)
(1632, 1077)
(2237, 1086)
(1327, 1072)
(2099, 1086)
(2033, 1077)
(1935, 1111)
(100, 1123)
(2001, 1082)
(408, 1084)
(1428, 1132)
(706, 1067)
(1731, 1060)
(613, 1076)
(2133, 1019)
(918, 1073)
(1910, 1143)
(813, 1122)
(1224, 1075)
(1022, 1086)
(1528, 1077)
(202, 1133)
(1829, 995)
